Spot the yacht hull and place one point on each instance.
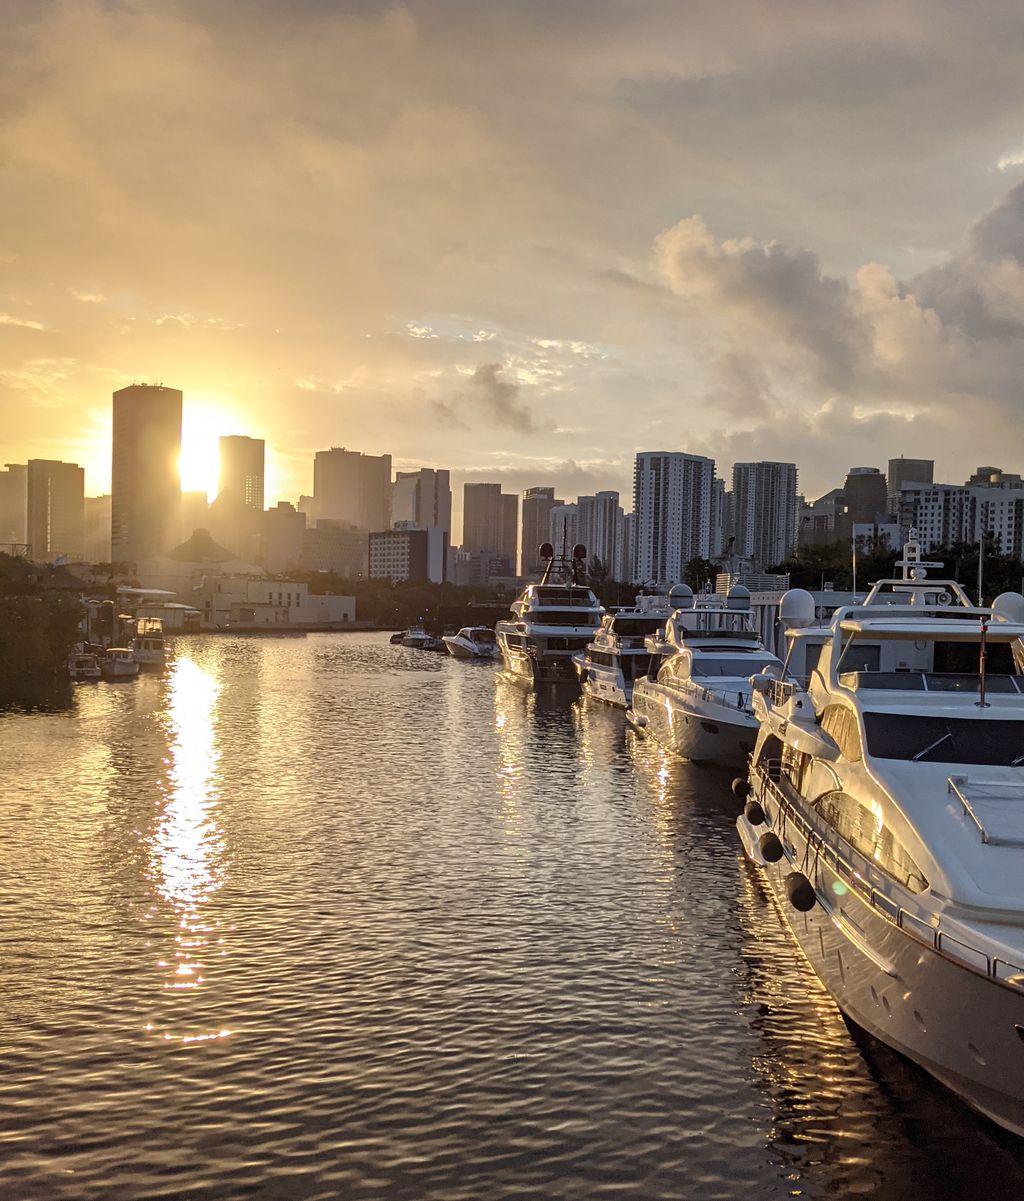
(536, 668)
(705, 734)
(462, 648)
(962, 1027)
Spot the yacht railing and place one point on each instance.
(781, 691)
(958, 786)
(769, 779)
(741, 704)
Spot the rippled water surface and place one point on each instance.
(324, 917)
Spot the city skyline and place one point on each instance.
(707, 248)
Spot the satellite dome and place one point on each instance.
(738, 598)
(796, 609)
(1010, 606)
(681, 596)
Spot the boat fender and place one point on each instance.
(770, 847)
(740, 787)
(753, 812)
(800, 892)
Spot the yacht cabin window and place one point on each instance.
(917, 738)
(714, 665)
(840, 723)
(862, 827)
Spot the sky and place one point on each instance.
(520, 240)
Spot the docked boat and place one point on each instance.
(618, 655)
(472, 642)
(550, 622)
(84, 668)
(885, 808)
(418, 638)
(119, 663)
(152, 649)
(697, 699)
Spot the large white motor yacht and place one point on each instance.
(697, 698)
(472, 642)
(618, 654)
(886, 810)
(550, 622)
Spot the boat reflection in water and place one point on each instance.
(187, 847)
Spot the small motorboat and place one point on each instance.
(120, 664)
(151, 647)
(84, 668)
(472, 642)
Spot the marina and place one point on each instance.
(517, 953)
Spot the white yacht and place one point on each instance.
(418, 638)
(119, 663)
(472, 642)
(151, 647)
(697, 698)
(550, 622)
(886, 810)
(83, 666)
(618, 654)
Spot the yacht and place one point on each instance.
(151, 647)
(119, 663)
(472, 642)
(885, 808)
(618, 654)
(697, 699)
(550, 621)
(418, 638)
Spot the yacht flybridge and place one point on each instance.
(886, 809)
(618, 654)
(550, 621)
(697, 698)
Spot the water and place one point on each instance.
(325, 918)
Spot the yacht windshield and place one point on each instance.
(636, 627)
(993, 741)
(715, 665)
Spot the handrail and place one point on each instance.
(954, 783)
(996, 969)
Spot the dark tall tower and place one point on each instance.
(241, 471)
(145, 487)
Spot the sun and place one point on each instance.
(202, 424)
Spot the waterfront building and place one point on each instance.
(478, 568)
(672, 512)
(408, 553)
(536, 528)
(628, 527)
(820, 519)
(284, 529)
(97, 529)
(907, 471)
(564, 528)
(236, 516)
(352, 487)
(13, 504)
(721, 525)
(865, 500)
(490, 520)
(145, 485)
(944, 514)
(423, 498)
(55, 510)
(255, 601)
(764, 513)
(599, 528)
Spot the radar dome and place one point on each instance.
(547, 551)
(1010, 606)
(796, 609)
(681, 596)
(738, 598)
(579, 551)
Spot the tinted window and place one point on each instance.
(863, 829)
(840, 723)
(985, 740)
(707, 665)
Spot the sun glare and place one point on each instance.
(202, 424)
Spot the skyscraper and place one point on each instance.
(145, 485)
(424, 498)
(867, 499)
(490, 521)
(600, 531)
(536, 509)
(241, 471)
(55, 506)
(764, 511)
(564, 528)
(13, 498)
(907, 471)
(352, 487)
(672, 513)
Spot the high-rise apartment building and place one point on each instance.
(490, 520)
(672, 514)
(55, 509)
(627, 547)
(721, 520)
(352, 487)
(536, 509)
(13, 497)
(424, 498)
(907, 471)
(564, 528)
(241, 471)
(145, 484)
(97, 529)
(765, 512)
(600, 531)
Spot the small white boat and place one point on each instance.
(84, 667)
(697, 699)
(618, 655)
(472, 642)
(418, 638)
(885, 810)
(119, 664)
(151, 648)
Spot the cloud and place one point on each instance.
(496, 400)
(20, 322)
